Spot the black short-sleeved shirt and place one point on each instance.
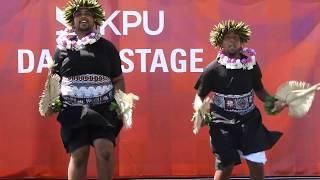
(87, 74)
(216, 78)
(98, 58)
(86, 84)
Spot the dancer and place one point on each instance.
(89, 69)
(235, 123)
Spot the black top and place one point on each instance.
(99, 58)
(86, 86)
(216, 78)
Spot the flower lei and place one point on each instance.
(68, 40)
(244, 63)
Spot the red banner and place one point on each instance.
(163, 46)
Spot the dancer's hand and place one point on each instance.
(273, 105)
(204, 123)
(279, 106)
(50, 112)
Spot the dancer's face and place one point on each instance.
(231, 44)
(83, 20)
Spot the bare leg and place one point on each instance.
(77, 169)
(223, 174)
(105, 160)
(256, 170)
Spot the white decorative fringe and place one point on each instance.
(201, 109)
(50, 92)
(126, 104)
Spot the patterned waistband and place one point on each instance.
(87, 89)
(107, 98)
(87, 77)
(241, 104)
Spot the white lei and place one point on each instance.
(64, 41)
(245, 63)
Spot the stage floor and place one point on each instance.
(238, 178)
(185, 178)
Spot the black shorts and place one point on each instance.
(245, 133)
(81, 125)
(84, 136)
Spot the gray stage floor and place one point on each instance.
(194, 178)
(239, 178)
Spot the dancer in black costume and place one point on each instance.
(90, 71)
(236, 128)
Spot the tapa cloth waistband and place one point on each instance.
(241, 104)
